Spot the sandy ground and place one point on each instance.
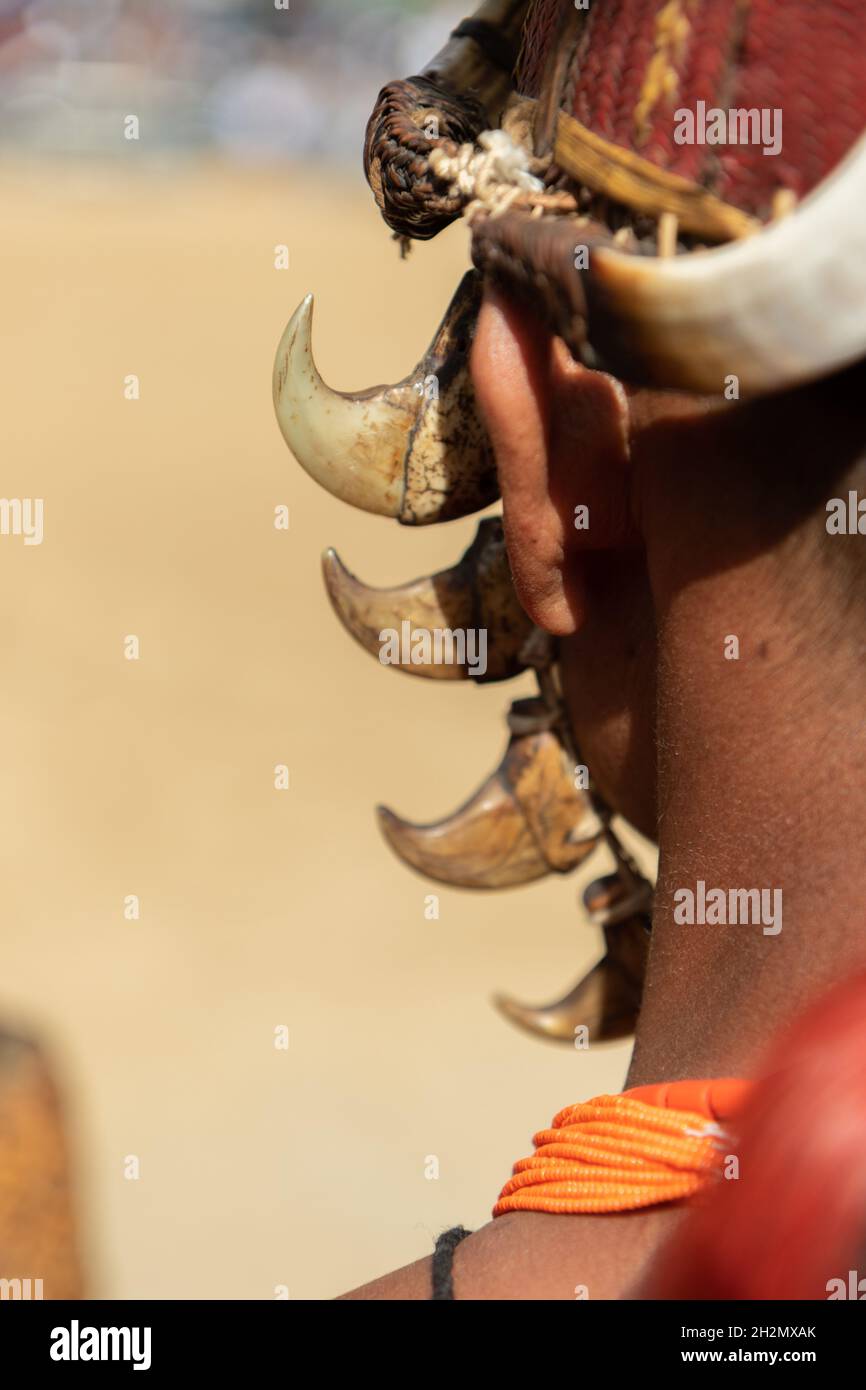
(154, 777)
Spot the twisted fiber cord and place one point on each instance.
(443, 1262)
(645, 60)
(626, 120)
(656, 54)
(649, 1145)
(808, 59)
(703, 75)
(538, 30)
(708, 76)
(612, 24)
(765, 54)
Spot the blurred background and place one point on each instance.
(258, 1168)
(251, 79)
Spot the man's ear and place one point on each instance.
(511, 370)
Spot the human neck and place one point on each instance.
(761, 784)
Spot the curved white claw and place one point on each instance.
(416, 451)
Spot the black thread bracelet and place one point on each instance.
(443, 1261)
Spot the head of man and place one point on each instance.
(674, 421)
(619, 501)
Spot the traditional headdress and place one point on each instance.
(679, 187)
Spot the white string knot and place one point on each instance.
(490, 177)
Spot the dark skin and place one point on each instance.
(706, 521)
